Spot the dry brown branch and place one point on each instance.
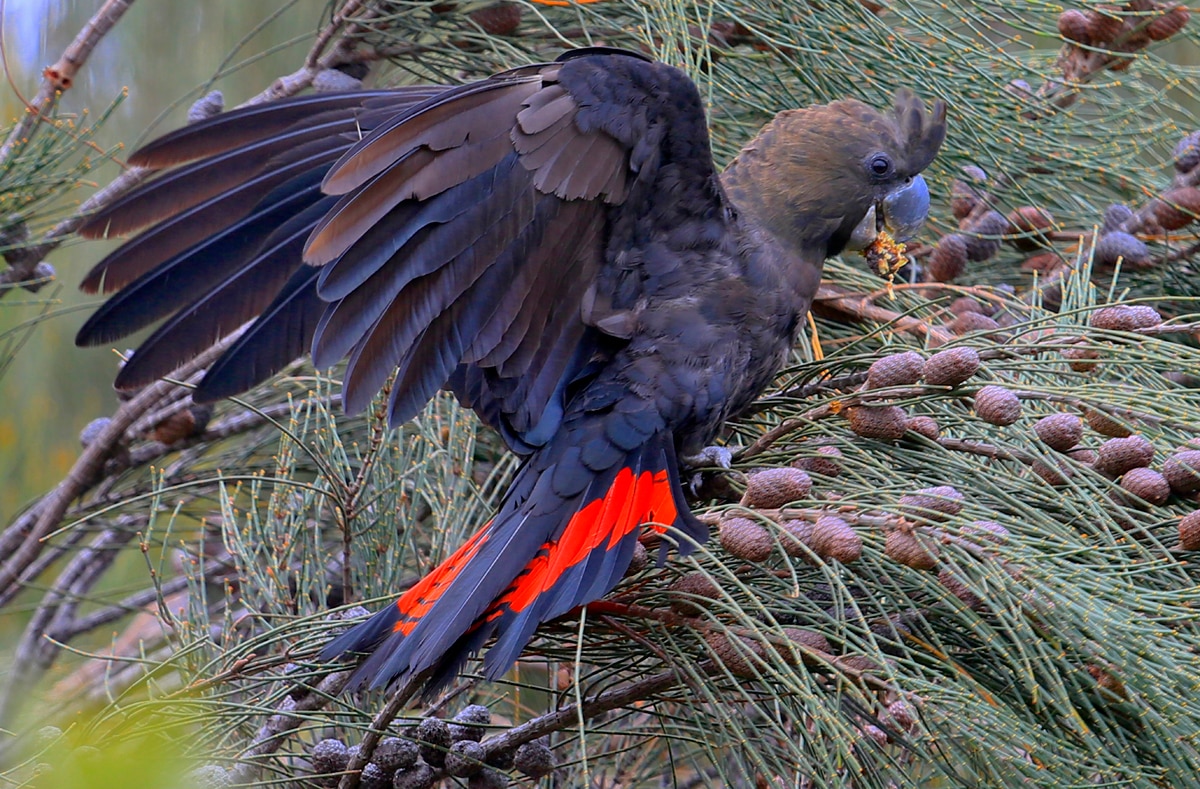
(790, 425)
(58, 78)
(35, 653)
(568, 716)
(35, 569)
(344, 15)
(214, 570)
(22, 542)
(143, 455)
(343, 31)
(272, 733)
(379, 725)
(844, 303)
(987, 450)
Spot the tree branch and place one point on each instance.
(289, 85)
(59, 78)
(270, 735)
(569, 716)
(23, 541)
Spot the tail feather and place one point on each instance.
(576, 571)
(541, 556)
(384, 633)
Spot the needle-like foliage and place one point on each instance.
(970, 565)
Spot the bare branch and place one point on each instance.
(569, 716)
(379, 725)
(272, 733)
(34, 654)
(23, 541)
(59, 78)
(860, 307)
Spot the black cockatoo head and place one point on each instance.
(828, 177)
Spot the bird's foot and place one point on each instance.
(707, 458)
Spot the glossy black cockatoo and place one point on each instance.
(554, 245)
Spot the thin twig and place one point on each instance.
(1120, 411)
(319, 59)
(349, 510)
(23, 541)
(860, 307)
(789, 425)
(214, 569)
(569, 716)
(58, 78)
(843, 383)
(792, 424)
(460, 687)
(339, 19)
(382, 720)
(270, 735)
(141, 456)
(987, 450)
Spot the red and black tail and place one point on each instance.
(563, 537)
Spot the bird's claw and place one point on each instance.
(709, 457)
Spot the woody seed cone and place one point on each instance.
(745, 539)
(1118, 455)
(905, 547)
(773, 487)
(1147, 484)
(1060, 432)
(882, 422)
(1189, 531)
(833, 538)
(898, 369)
(1182, 472)
(951, 367)
(997, 405)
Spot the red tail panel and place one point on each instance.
(417, 601)
(628, 503)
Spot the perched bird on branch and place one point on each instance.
(554, 245)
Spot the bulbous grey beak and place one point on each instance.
(902, 212)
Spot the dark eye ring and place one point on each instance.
(881, 165)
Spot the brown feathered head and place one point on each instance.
(828, 176)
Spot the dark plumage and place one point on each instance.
(554, 245)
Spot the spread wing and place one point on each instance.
(469, 236)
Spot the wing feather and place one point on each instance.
(241, 296)
(245, 125)
(187, 186)
(174, 282)
(279, 336)
(196, 225)
(491, 217)
(441, 123)
(461, 229)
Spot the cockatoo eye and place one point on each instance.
(881, 165)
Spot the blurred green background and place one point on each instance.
(161, 51)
